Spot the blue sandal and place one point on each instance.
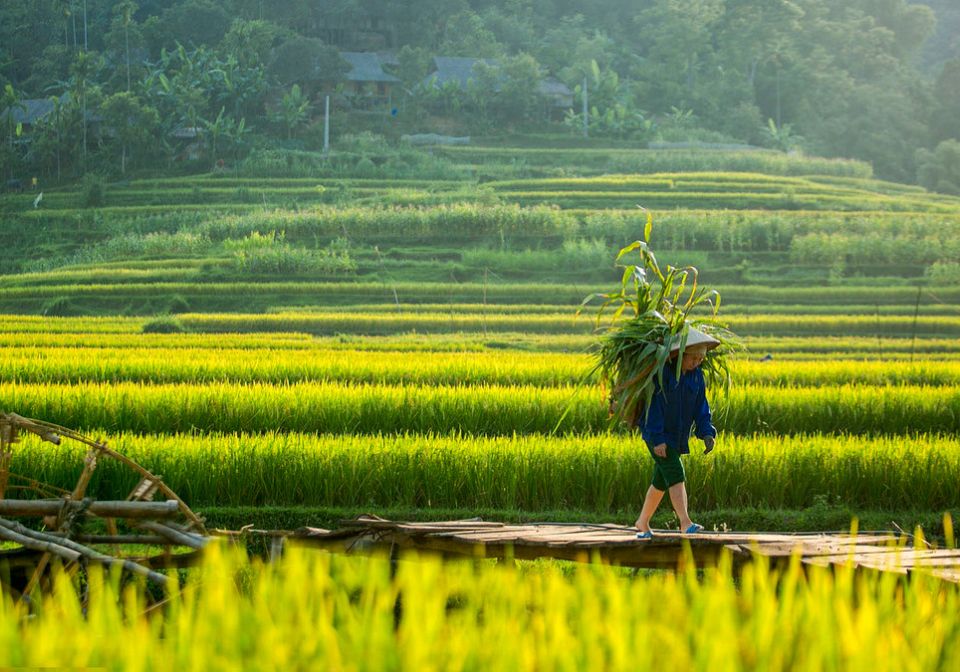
(693, 529)
(645, 535)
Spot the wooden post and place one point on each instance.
(89, 464)
(326, 126)
(5, 457)
(8, 436)
(586, 123)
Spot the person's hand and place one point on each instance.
(660, 450)
(708, 442)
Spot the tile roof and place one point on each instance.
(365, 67)
(457, 69)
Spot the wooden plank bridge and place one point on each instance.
(617, 544)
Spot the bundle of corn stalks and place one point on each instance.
(651, 320)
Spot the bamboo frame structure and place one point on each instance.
(64, 512)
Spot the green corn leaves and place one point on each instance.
(651, 312)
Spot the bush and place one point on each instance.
(944, 273)
(165, 324)
(178, 304)
(270, 254)
(59, 306)
(93, 192)
(939, 170)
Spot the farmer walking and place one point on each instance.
(676, 406)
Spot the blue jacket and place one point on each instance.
(675, 408)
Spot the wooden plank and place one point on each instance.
(947, 574)
(616, 543)
(656, 558)
(583, 535)
(910, 560)
(781, 550)
(375, 522)
(483, 535)
(427, 527)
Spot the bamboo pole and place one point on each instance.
(176, 536)
(114, 539)
(58, 546)
(45, 546)
(105, 509)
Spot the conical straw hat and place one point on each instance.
(696, 337)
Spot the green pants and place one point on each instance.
(667, 470)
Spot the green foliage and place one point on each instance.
(781, 137)
(294, 110)
(939, 170)
(134, 245)
(165, 324)
(944, 273)
(270, 254)
(648, 322)
(850, 82)
(94, 192)
(632, 161)
(296, 59)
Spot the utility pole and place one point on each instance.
(326, 126)
(85, 47)
(586, 120)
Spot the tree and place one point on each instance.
(185, 86)
(751, 35)
(483, 87)
(911, 24)
(123, 27)
(214, 129)
(46, 142)
(465, 35)
(306, 59)
(83, 74)
(192, 22)
(10, 102)
(945, 122)
(294, 110)
(130, 122)
(413, 66)
(678, 38)
(781, 137)
(519, 98)
(939, 170)
(250, 42)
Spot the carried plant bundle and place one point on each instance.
(652, 319)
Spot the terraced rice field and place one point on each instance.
(202, 327)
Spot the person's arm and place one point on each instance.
(704, 421)
(653, 423)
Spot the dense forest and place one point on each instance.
(130, 84)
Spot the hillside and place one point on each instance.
(943, 45)
(228, 242)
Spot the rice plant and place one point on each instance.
(489, 410)
(596, 473)
(321, 611)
